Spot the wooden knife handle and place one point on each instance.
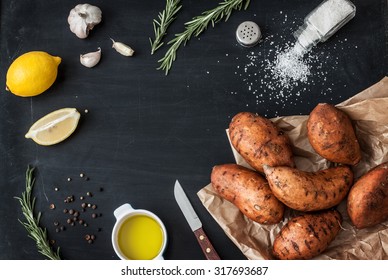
(206, 246)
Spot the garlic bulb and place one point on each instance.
(90, 59)
(122, 48)
(83, 18)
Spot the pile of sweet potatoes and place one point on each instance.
(275, 183)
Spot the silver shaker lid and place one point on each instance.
(248, 34)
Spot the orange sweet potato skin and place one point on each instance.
(307, 236)
(367, 203)
(332, 135)
(309, 191)
(259, 141)
(249, 191)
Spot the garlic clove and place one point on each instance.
(82, 18)
(90, 59)
(122, 48)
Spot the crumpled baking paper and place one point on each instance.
(369, 113)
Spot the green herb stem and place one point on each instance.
(37, 233)
(197, 25)
(166, 17)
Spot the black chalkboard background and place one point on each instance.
(144, 130)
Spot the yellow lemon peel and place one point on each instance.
(32, 73)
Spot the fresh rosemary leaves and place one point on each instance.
(38, 234)
(197, 25)
(166, 17)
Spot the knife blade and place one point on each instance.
(194, 222)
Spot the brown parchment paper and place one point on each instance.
(369, 112)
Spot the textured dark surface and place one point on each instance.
(144, 130)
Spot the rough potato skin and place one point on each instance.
(309, 191)
(259, 141)
(367, 203)
(332, 135)
(249, 191)
(307, 236)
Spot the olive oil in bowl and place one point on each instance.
(140, 237)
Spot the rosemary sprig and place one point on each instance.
(197, 25)
(38, 234)
(166, 17)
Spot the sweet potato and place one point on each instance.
(259, 141)
(309, 191)
(249, 191)
(307, 236)
(331, 134)
(367, 203)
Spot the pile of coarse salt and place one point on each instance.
(289, 67)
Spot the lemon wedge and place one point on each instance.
(54, 127)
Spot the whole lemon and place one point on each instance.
(32, 73)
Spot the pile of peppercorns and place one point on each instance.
(77, 215)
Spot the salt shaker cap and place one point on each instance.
(248, 34)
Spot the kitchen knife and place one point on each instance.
(194, 222)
